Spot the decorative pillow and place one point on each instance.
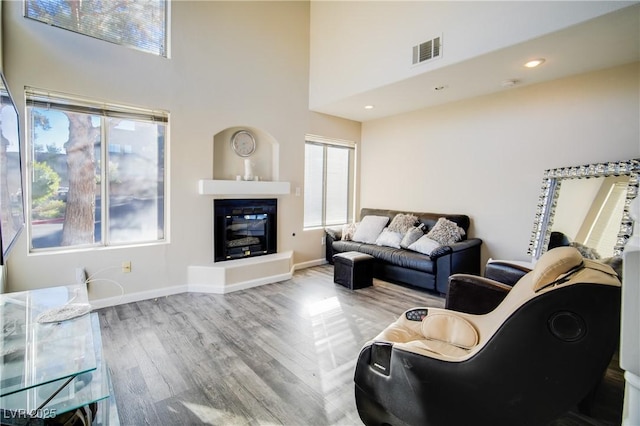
(348, 230)
(445, 232)
(369, 229)
(412, 235)
(402, 222)
(389, 238)
(424, 245)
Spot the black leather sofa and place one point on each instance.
(413, 268)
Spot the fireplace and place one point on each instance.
(244, 228)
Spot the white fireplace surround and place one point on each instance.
(240, 274)
(227, 180)
(239, 187)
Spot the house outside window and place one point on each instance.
(329, 182)
(140, 24)
(96, 174)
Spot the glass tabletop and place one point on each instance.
(85, 388)
(34, 354)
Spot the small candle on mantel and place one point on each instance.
(248, 173)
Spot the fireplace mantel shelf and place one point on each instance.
(240, 187)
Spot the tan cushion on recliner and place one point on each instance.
(553, 264)
(450, 328)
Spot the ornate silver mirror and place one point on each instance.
(588, 204)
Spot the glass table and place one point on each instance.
(47, 369)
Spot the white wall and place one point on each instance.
(370, 42)
(485, 157)
(232, 64)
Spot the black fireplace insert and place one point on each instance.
(244, 228)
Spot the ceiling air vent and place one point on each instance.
(428, 50)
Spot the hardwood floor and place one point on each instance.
(281, 353)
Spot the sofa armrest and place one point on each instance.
(334, 231)
(474, 294)
(328, 245)
(455, 247)
(462, 257)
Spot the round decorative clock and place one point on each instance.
(243, 143)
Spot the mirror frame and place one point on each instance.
(12, 219)
(551, 183)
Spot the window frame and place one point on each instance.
(351, 197)
(36, 98)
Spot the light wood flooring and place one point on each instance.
(279, 354)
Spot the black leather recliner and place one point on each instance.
(526, 362)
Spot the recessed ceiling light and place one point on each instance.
(534, 63)
(368, 107)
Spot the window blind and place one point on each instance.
(141, 24)
(36, 98)
(329, 181)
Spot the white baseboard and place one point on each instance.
(201, 288)
(228, 288)
(309, 264)
(137, 296)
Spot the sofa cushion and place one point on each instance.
(370, 228)
(346, 245)
(398, 257)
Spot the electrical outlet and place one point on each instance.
(322, 241)
(126, 266)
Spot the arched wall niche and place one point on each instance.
(227, 165)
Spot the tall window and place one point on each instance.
(96, 175)
(141, 24)
(328, 181)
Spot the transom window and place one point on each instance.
(141, 24)
(329, 178)
(96, 173)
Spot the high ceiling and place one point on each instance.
(601, 43)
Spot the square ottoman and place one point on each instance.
(353, 269)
